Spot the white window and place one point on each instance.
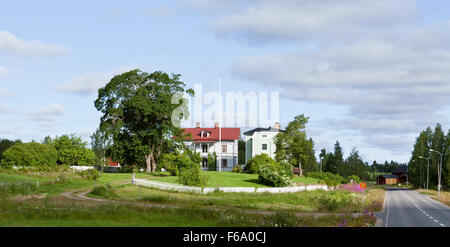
(224, 148)
(205, 148)
(264, 146)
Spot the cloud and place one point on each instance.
(5, 93)
(11, 44)
(388, 70)
(89, 84)
(3, 71)
(291, 20)
(5, 109)
(159, 12)
(46, 115)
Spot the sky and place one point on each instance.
(369, 73)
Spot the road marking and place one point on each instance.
(431, 218)
(386, 223)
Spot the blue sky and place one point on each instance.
(371, 74)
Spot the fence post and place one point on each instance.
(132, 179)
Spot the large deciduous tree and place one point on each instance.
(141, 114)
(293, 146)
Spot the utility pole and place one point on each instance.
(439, 170)
(428, 169)
(220, 124)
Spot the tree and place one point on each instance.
(72, 150)
(99, 145)
(292, 145)
(145, 110)
(5, 144)
(417, 170)
(29, 154)
(241, 152)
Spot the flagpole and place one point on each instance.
(220, 124)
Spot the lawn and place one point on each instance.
(231, 179)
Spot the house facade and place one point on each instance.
(206, 141)
(260, 140)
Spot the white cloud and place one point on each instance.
(305, 19)
(46, 115)
(373, 57)
(3, 71)
(89, 84)
(5, 93)
(11, 44)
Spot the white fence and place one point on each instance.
(206, 190)
(81, 168)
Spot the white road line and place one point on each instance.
(441, 224)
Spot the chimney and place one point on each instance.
(216, 125)
(197, 124)
(277, 125)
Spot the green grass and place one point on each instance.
(232, 179)
(51, 214)
(299, 201)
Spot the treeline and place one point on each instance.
(62, 150)
(386, 167)
(428, 140)
(334, 162)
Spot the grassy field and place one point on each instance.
(59, 212)
(327, 201)
(232, 179)
(52, 209)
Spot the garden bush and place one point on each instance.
(104, 191)
(353, 178)
(237, 168)
(90, 174)
(329, 178)
(273, 175)
(254, 163)
(29, 154)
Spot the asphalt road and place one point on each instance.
(407, 208)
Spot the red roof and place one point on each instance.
(112, 163)
(228, 134)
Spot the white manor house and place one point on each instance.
(207, 141)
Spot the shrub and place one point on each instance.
(284, 219)
(212, 162)
(254, 163)
(237, 168)
(355, 179)
(90, 174)
(29, 154)
(329, 178)
(104, 191)
(17, 188)
(192, 176)
(73, 151)
(273, 175)
(173, 162)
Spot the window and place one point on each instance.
(264, 135)
(204, 133)
(205, 148)
(224, 148)
(264, 146)
(205, 162)
(224, 163)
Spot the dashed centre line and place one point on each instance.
(423, 211)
